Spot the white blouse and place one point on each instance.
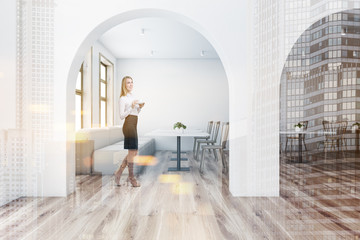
(125, 106)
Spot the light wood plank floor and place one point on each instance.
(319, 200)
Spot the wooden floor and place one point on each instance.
(319, 200)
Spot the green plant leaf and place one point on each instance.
(179, 125)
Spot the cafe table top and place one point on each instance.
(180, 133)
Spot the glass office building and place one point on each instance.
(34, 87)
(321, 77)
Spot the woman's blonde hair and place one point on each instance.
(124, 91)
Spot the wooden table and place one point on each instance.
(301, 136)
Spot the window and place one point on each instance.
(79, 101)
(103, 94)
(330, 108)
(349, 93)
(330, 96)
(348, 105)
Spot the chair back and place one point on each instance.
(215, 131)
(209, 127)
(330, 128)
(224, 135)
(325, 125)
(342, 127)
(335, 128)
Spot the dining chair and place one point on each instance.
(210, 141)
(334, 134)
(342, 131)
(221, 147)
(296, 138)
(208, 130)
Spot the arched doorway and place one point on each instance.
(319, 93)
(98, 32)
(321, 76)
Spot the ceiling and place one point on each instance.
(161, 38)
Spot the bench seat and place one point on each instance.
(107, 159)
(108, 149)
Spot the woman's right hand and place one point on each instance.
(134, 103)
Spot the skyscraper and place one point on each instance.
(35, 83)
(4, 198)
(321, 78)
(13, 164)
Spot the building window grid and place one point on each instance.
(331, 80)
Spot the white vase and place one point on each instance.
(354, 128)
(179, 130)
(297, 129)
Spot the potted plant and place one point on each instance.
(356, 126)
(298, 127)
(179, 126)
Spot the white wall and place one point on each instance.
(87, 89)
(190, 91)
(229, 42)
(7, 100)
(227, 28)
(79, 24)
(8, 64)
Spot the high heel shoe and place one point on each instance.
(131, 177)
(133, 182)
(120, 171)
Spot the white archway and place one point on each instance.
(95, 34)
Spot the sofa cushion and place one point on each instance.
(146, 146)
(107, 159)
(115, 134)
(102, 136)
(99, 135)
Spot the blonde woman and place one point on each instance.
(129, 109)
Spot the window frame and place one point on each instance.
(103, 99)
(80, 92)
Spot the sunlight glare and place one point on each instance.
(169, 178)
(145, 160)
(183, 188)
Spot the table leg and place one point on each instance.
(300, 153)
(300, 147)
(357, 141)
(178, 154)
(178, 158)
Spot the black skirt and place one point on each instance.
(130, 132)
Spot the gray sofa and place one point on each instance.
(109, 148)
